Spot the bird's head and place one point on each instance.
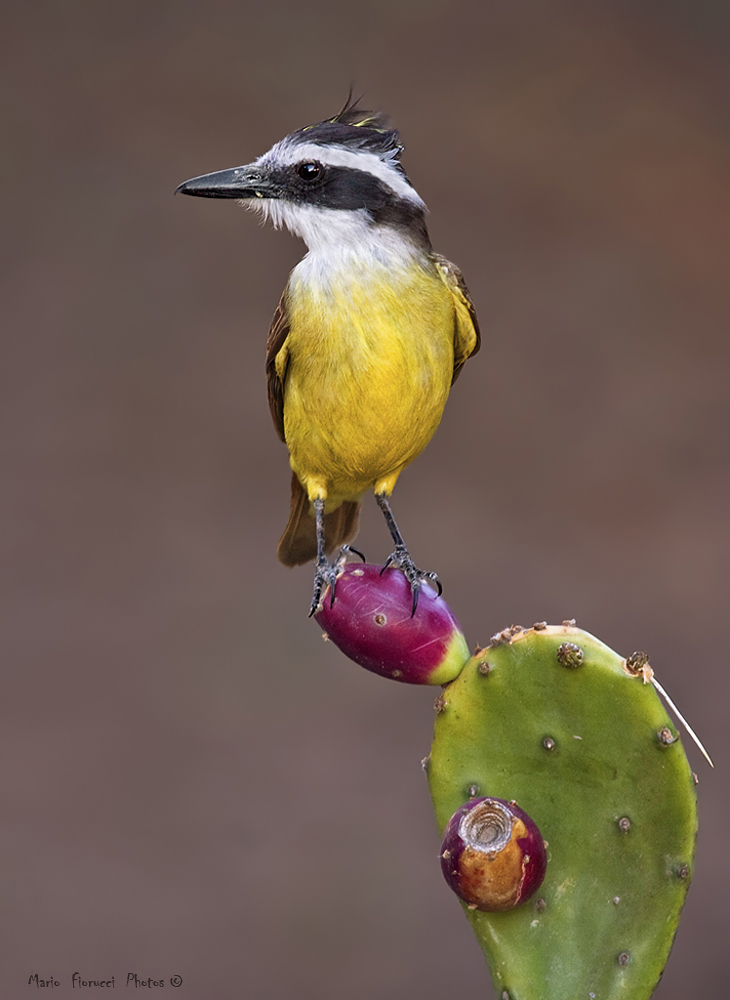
(327, 181)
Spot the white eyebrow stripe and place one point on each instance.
(335, 156)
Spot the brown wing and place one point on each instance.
(276, 369)
(467, 338)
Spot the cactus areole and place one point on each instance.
(493, 855)
(371, 622)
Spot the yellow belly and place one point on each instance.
(369, 367)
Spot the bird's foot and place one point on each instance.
(325, 576)
(400, 559)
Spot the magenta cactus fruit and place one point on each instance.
(371, 621)
(493, 855)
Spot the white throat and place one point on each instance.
(344, 246)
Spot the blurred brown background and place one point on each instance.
(192, 783)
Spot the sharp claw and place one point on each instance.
(416, 591)
(316, 598)
(351, 548)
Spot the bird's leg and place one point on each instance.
(400, 557)
(326, 572)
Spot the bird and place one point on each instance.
(370, 333)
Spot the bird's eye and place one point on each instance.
(310, 171)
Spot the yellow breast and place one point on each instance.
(369, 361)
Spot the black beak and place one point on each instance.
(238, 182)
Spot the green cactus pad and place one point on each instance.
(551, 718)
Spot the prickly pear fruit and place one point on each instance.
(492, 855)
(371, 622)
(549, 716)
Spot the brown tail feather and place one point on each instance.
(298, 544)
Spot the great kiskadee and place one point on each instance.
(370, 333)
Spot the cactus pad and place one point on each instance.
(550, 717)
